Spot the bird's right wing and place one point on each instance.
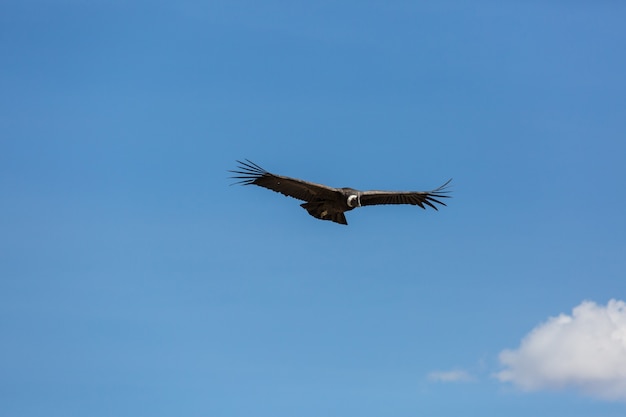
(250, 173)
(418, 198)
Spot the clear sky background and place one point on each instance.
(135, 281)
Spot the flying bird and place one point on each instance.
(328, 203)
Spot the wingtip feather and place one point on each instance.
(247, 172)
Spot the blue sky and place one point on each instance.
(135, 281)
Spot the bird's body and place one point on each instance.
(333, 209)
(328, 203)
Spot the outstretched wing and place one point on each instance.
(250, 173)
(419, 198)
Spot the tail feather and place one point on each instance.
(340, 218)
(318, 210)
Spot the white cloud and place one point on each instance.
(586, 350)
(449, 376)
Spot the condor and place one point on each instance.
(328, 203)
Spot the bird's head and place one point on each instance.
(354, 200)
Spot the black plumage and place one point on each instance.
(328, 203)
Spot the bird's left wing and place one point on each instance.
(419, 198)
(250, 173)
